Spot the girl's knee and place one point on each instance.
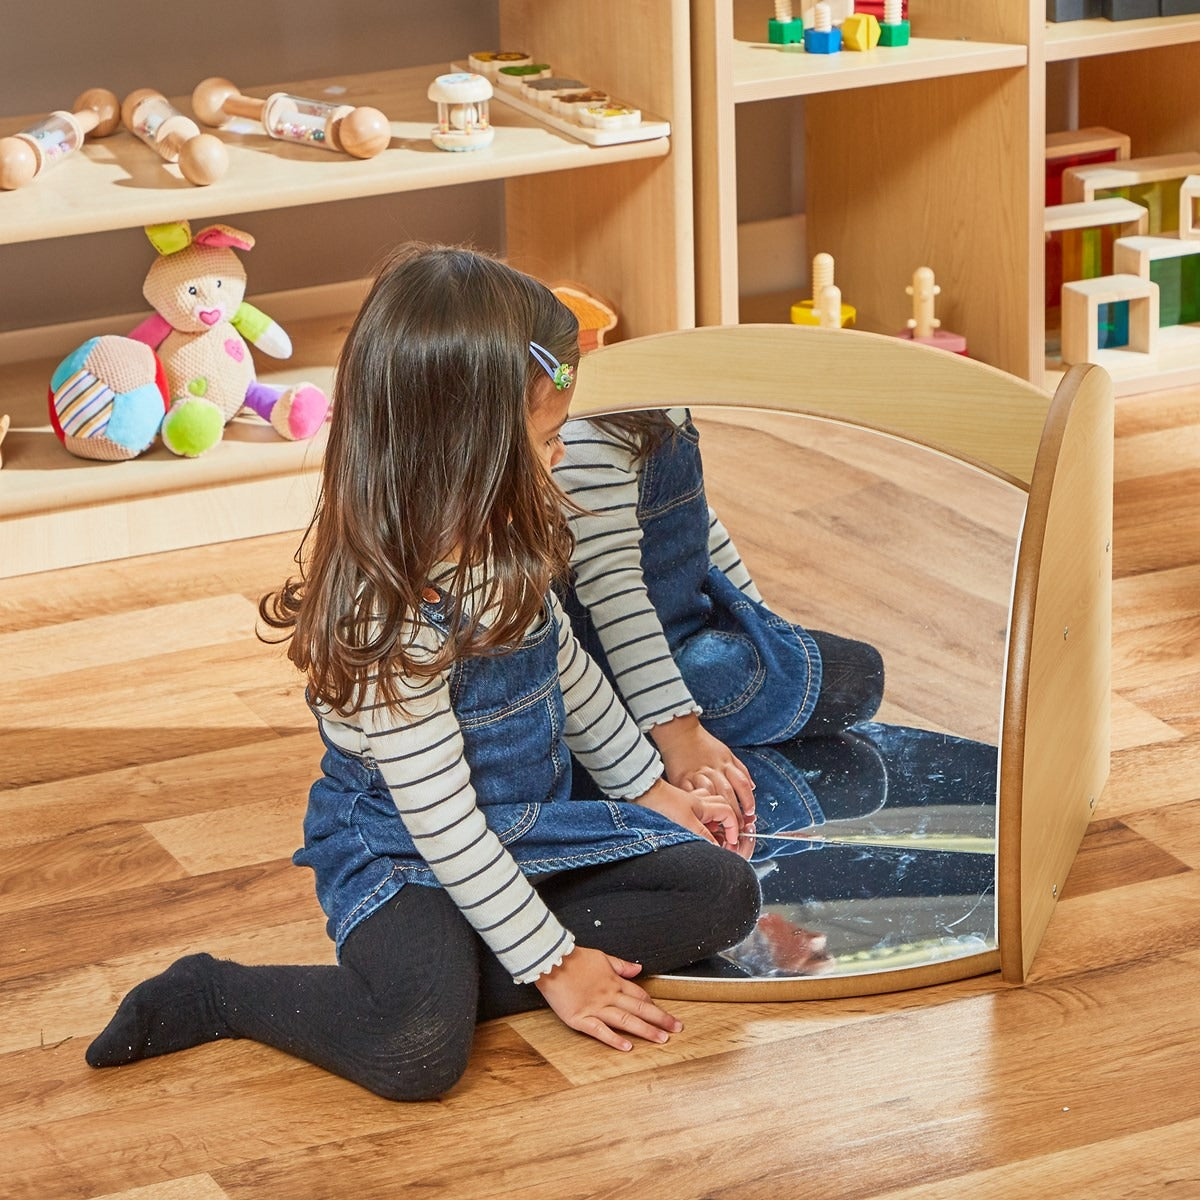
(422, 1063)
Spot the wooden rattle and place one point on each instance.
(34, 150)
(150, 116)
(923, 326)
(362, 132)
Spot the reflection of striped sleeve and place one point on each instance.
(724, 555)
(600, 475)
(420, 754)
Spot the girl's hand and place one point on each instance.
(700, 811)
(591, 991)
(693, 758)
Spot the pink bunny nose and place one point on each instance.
(210, 316)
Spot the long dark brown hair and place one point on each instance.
(641, 432)
(429, 459)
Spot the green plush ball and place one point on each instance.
(192, 426)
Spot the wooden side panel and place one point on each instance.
(1055, 744)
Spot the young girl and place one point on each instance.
(459, 881)
(662, 600)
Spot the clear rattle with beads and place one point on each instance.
(463, 111)
(359, 131)
(152, 118)
(26, 154)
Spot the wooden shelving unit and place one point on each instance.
(616, 217)
(932, 155)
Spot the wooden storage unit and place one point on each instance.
(616, 217)
(932, 155)
(1142, 78)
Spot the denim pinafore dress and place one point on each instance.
(754, 674)
(512, 716)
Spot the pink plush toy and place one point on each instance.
(200, 328)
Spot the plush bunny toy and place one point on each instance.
(200, 327)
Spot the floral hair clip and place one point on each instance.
(562, 374)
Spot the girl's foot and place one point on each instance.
(171, 1011)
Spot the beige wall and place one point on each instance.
(52, 51)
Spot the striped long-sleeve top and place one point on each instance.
(600, 475)
(420, 754)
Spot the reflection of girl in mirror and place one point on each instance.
(458, 882)
(724, 687)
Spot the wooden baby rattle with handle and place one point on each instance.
(150, 116)
(28, 153)
(360, 131)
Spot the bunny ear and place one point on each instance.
(170, 237)
(224, 235)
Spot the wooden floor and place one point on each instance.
(155, 757)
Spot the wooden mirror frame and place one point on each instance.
(1054, 737)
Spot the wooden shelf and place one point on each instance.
(624, 230)
(119, 183)
(1084, 39)
(762, 71)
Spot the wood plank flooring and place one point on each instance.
(155, 760)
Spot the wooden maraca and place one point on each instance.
(360, 131)
(28, 153)
(150, 116)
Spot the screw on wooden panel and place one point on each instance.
(1054, 890)
(1107, 547)
(1066, 630)
(1091, 802)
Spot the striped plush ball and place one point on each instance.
(107, 398)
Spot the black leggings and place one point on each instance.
(851, 684)
(398, 1014)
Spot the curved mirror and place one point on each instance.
(878, 539)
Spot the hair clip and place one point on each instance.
(562, 374)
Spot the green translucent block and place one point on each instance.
(1178, 282)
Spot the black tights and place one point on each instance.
(398, 1014)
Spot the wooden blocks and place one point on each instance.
(1189, 194)
(1173, 264)
(1154, 183)
(1081, 301)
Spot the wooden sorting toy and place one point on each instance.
(568, 105)
(824, 37)
(785, 28)
(463, 113)
(808, 312)
(488, 62)
(26, 154)
(150, 116)
(361, 131)
(893, 27)
(923, 326)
